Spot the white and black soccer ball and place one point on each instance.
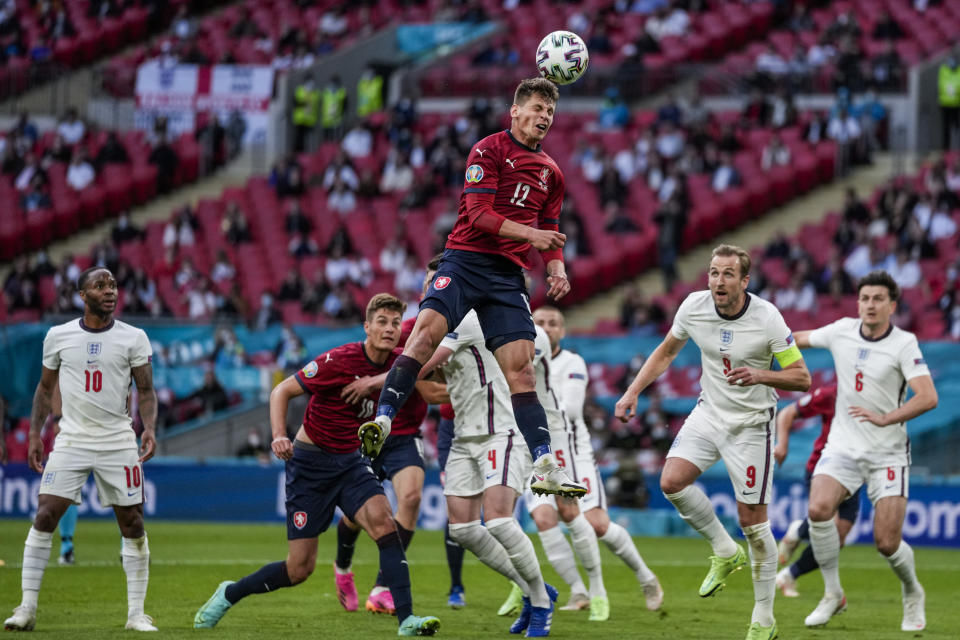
(562, 57)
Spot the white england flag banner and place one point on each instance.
(182, 91)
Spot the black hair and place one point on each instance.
(880, 279)
(434, 263)
(85, 276)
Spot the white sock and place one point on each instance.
(474, 537)
(763, 558)
(523, 557)
(585, 544)
(694, 506)
(825, 541)
(36, 554)
(618, 540)
(561, 558)
(136, 564)
(902, 564)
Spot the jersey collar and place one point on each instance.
(536, 149)
(101, 330)
(878, 339)
(363, 350)
(739, 314)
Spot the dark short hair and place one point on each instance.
(727, 250)
(540, 86)
(84, 276)
(434, 263)
(385, 301)
(880, 279)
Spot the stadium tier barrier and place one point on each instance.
(238, 491)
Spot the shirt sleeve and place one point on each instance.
(821, 337)
(573, 389)
(912, 363)
(51, 355)
(320, 373)
(483, 169)
(781, 342)
(541, 347)
(679, 329)
(141, 353)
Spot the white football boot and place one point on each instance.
(830, 605)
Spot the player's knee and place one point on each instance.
(544, 519)
(522, 380)
(410, 500)
(45, 520)
(820, 511)
(299, 571)
(600, 527)
(670, 485)
(887, 544)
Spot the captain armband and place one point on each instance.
(788, 357)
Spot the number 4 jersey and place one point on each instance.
(94, 366)
(872, 374)
(329, 421)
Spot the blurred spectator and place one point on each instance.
(934, 218)
(397, 173)
(358, 143)
(756, 112)
(801, 20)
(783, 113)
(667, 22)
(886, 28)
(183, 26)
(394, 254)
(344, 267)
(333, 22)
(211, 396)
(26, 130)
(80, 173)
(409, 279)
(112, 152)
(223, 270)
(58, 151)
(627, 486)
(639, 315)
(254, 446)
(616, 220)
(235, 228)
(854, 210)
(31, 169)
(302, 246)
(245, 27)
(340, 168)
(614, 112)
(671, 220)
(296, 220)
(612, 189)
(772, 63)
(180, 230)
(867, 257)
(905, 270)
(340, 305)
(268, 314)
(166, 161)
(948, 88)
(341, 199)
(775, 154)
(201, 300)
(314, 293)
(36, 197)
(726, 175)
(292, 287)
(887, 69)
(694, 114)
(71, 128)
(798, 295)
(290, 183)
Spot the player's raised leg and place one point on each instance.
(36, 555)
(693, 505)
(68, 526)
(618, 540)
(826, 493)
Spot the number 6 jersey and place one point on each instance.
(872, 374)
(94, 366)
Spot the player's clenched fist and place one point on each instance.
(282, 447)
(626, 407)
(544, 240)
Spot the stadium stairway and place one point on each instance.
(788, 219)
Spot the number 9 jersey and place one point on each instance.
(94, 366)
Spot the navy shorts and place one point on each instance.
(318, 481)
(492, 285)
(444, 440)
(849, 509)
(398, 452)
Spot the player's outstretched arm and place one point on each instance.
(147, 401)
(924, 399)
(802, 339)
(42, 405)
(279, 401)
(785, 418)
(655, 365)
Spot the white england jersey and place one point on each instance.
(568, 375)
(872, 374)
(478, 391)
(95, 379)
(749, 339)
(542, 366)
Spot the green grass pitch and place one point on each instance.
(189, 560)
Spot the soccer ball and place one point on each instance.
(562, 57)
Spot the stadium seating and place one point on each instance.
(926, 34)
(723, 27)
(117, 187)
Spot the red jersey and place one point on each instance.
(329, 421)
(406, 328)
(528, 189)
(821, 402)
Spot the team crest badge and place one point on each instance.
(94, 348)
(726, 336)
(300, 519)
(474, 173)
(544, 174)
(863, 354)
(310, 370)
(441, 282)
